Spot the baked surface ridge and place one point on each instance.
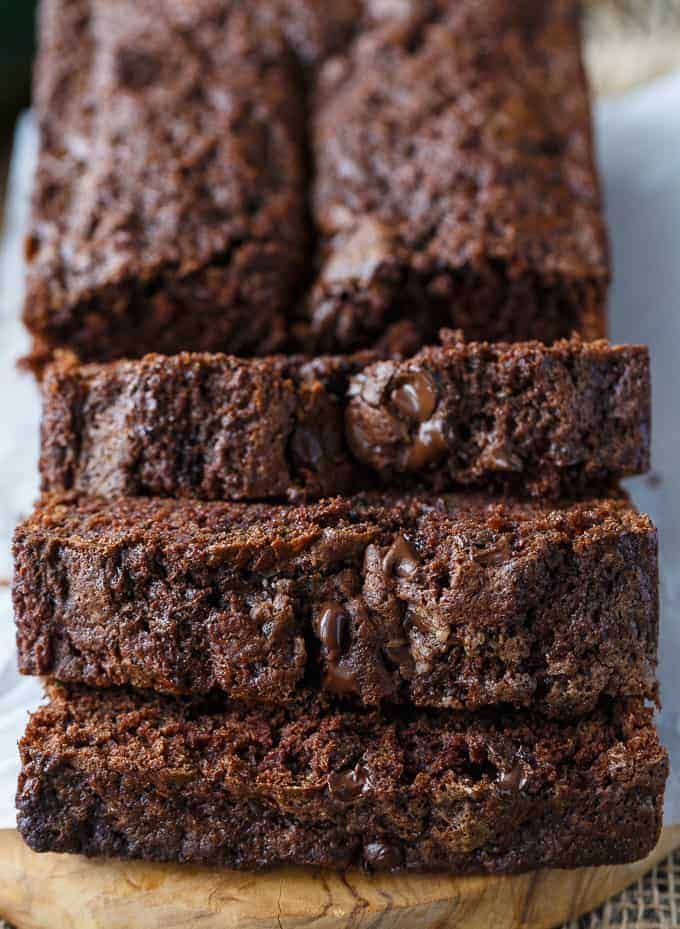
(457, 601)
(549, 421)
(141, 776)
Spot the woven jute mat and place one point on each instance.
(651, 903)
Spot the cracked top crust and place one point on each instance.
(222, 176)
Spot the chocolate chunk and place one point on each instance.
(334, 629)
(382, 856)
(415, 395)
(429, 445)
(513, 780)
(307, 448)
(347, 785)
(340, 680)
(401, 558)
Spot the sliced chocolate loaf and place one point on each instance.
(140, 776)
(526, 418)
(459, 601)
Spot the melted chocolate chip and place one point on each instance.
(429, 445)
(382, 856)
(347, 785)
(334, 629)
(307, 448)
(340, 680)
(398, 652)
(415, 396)
(512, 781)
(400, 559)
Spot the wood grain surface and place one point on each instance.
(67, 891)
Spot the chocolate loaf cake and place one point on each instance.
(459, 601)
(455, 179)
(527, 418)
(244, 177)
(141, 776)
(169, 208)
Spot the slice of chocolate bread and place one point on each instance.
(460, 601)
(526, 418)
(142, 776)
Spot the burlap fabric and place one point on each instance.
(651, 903)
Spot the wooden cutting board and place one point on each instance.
(67, 891)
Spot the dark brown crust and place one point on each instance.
(139, 776)
(455, 177)
(169, 209)
(457, 601)
(180, 148)
(526, 418)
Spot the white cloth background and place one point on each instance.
(639, 148)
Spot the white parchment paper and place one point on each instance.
(639, 149)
